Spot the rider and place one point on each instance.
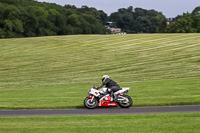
(111, 85)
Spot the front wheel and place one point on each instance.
(89, 103)
(126, 103)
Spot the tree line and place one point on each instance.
(139, 20)
(186, 23)
(29, 18)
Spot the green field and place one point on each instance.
(57, 72)
(146, 123)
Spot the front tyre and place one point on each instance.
(89, 103)
(126, 103)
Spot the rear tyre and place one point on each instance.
(89, 103)
(126, 103)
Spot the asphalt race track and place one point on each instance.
(101, 111)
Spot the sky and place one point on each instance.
(169, 8)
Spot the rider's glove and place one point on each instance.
(99, 87)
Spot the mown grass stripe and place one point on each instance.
(51, 66)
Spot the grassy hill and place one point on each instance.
(57, 72)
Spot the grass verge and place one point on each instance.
(151, 123)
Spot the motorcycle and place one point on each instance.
(102, 98)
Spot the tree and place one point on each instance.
(103, 17)
(196, 11)
(196, 18)
(183, 25)
(139, 20)
(29, 18)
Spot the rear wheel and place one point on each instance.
(89, 103)
(126, 103)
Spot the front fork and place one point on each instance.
(92, 97)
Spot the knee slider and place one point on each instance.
(109, 90)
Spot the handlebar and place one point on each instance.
(95, 86)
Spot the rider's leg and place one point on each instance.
(111, 93)
(114, 89)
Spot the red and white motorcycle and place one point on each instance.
(101, 98)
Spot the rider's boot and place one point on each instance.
(112, 97)
(115, 98)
